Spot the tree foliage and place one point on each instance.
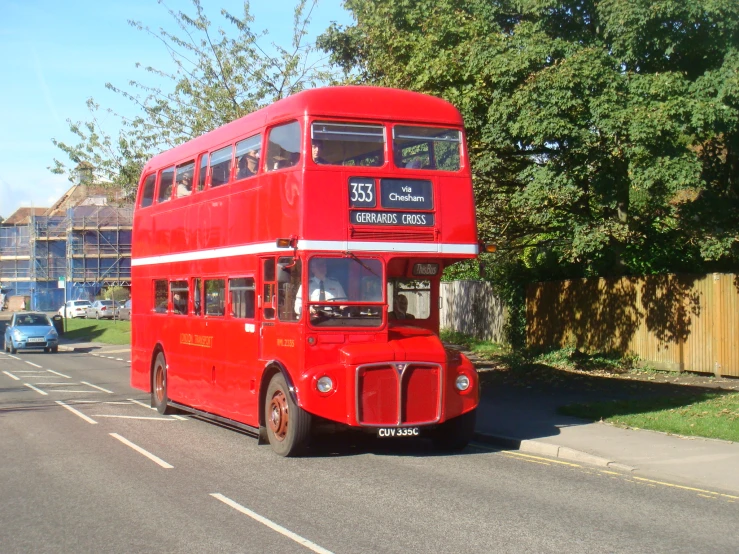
(604, 135)
(217, 76)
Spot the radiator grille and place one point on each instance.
(398, 393)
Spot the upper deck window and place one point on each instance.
(350, 144)
(426, 148)
(147, 195)
(220, 166)
(247, 156)
(283, 146)
(166, 180)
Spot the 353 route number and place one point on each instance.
(362, 193)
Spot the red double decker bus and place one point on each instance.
(286, 269)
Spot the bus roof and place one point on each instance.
(351, 102)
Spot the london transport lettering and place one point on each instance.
(196, 340)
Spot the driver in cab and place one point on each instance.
(321, 287)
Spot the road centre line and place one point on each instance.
(14, 357)
(96, 387)
(272, 525)
(31, 363)
(59, 374)
(37, 390)
(77, 412)
(11, 375)
(140, 450)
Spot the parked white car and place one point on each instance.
(74, 308)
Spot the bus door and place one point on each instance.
(267, 307)
(280, 333)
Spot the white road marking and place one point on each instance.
(75, 391)
(14, 357)
(59, 374)
(63, 384)
(272, 525)
(119, 359)
(37, 390)
(31, 363)
(109, 357)
(97, 402)
(96, 387)
(141, 404)
(11, 375)
(140, 450)
(179, 417)
(134, 417)
(77, 412)
(28, 371)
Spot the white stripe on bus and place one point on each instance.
(326, 245)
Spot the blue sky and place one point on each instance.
(55, 55)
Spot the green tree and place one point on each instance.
(604, 135)
(217, 76)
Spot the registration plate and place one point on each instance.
(36, 339)
(393, 432)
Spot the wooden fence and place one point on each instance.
(472, 308)
(674, 322)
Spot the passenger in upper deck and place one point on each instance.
(317, 151)
(184, 184)
(248, 164)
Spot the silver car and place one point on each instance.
(101, 309)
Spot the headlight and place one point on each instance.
(462, 383)
(18, 335)
(324, 384)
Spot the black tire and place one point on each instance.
(159, 396)
(13, 349)
(97, 315)
(288, 425)
(55, 349)
(455, 434)
(47, 350)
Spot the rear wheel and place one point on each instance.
(456, 433)
(159, 397)
(288, 425)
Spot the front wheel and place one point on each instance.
(13, 349)
(288, 425)
(159, 396)
(456, 433)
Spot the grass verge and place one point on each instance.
(483, 348)
(711, 414)
(102, 330)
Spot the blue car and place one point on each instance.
(30, 330)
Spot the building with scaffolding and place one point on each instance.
(70, 251)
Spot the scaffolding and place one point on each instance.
(86, 250)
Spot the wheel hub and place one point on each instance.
(278, 415)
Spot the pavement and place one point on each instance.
(516, 417)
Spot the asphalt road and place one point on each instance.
(88, 467)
